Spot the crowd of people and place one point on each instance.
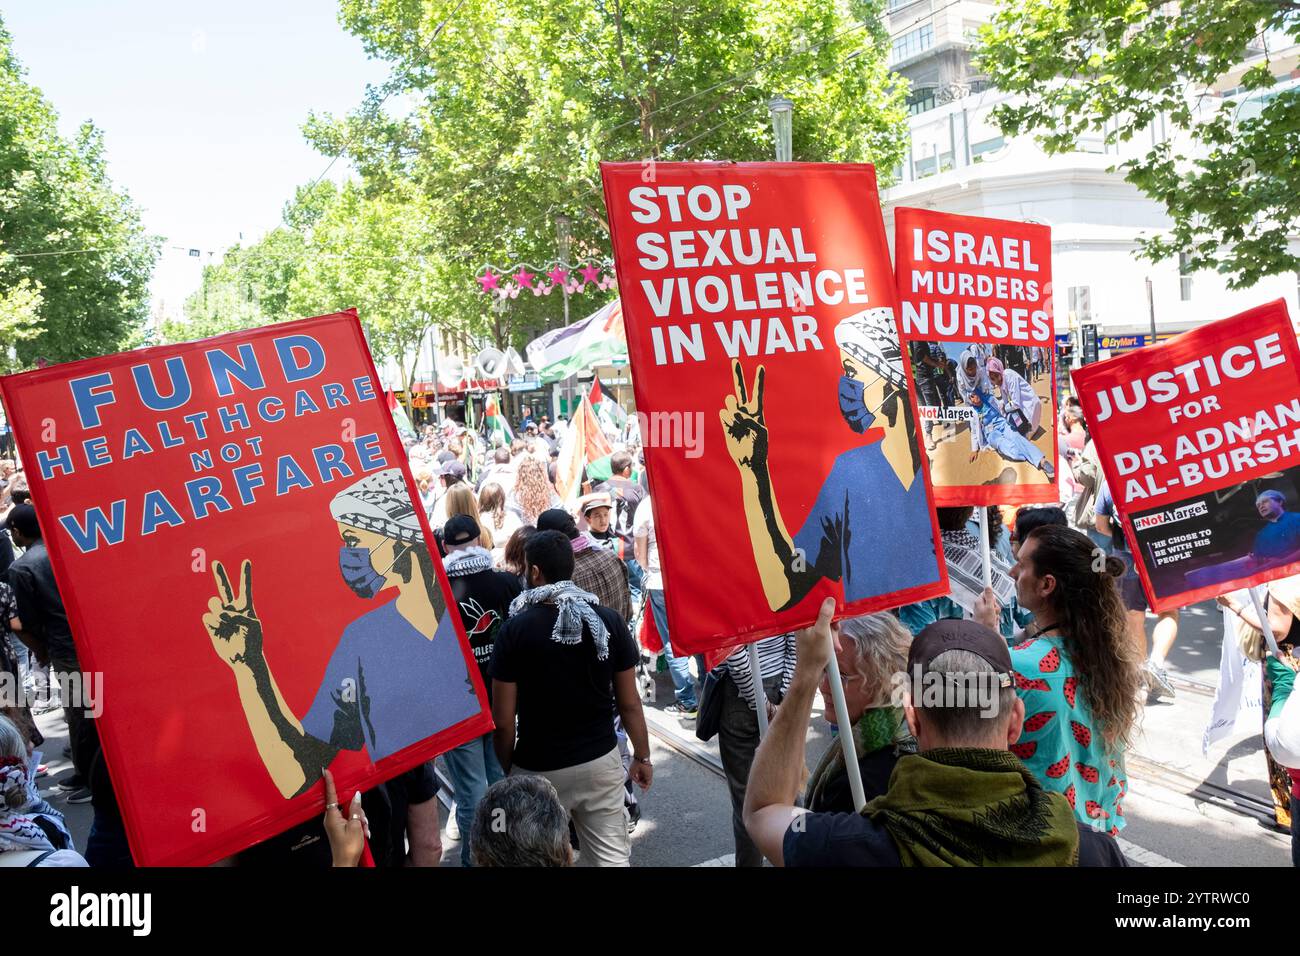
(1020, 761)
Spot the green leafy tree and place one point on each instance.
(74, 258)
(1229, 171)
(379, 254)
(20, 317)
(514, 104)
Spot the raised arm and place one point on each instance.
(785, 580)
(292, 756)
(775, 775)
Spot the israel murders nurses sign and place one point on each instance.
(232, 528)
(976, 307)
(1199, 440)
(779, 421)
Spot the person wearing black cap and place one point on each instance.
(46, 632)
(962, 800)
(483, 597)
(594, 569)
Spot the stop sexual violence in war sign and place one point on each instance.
(761, 313)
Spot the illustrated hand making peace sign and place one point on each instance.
(231, 621)
(742, 422)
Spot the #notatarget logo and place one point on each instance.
(77, 909)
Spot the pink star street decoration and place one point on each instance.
(590, 274)
(558, 276)
(524, 278)
(488, 280)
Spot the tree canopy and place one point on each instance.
(495, 121)
(511, 105)
(1228, 172)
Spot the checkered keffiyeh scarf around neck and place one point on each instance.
(576, 607)
(20, 805)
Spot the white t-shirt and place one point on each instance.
(643, 526)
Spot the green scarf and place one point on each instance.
(969, 807)
(877, 728)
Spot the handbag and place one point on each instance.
(709, 719)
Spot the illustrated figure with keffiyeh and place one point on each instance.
(397, 675)
(869, 528)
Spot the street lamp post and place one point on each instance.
(1151, 309)
(433, 361)
(782, 111)
(563, 239)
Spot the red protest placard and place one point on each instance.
(775, 405)
(231, 526)
(1199, 440)
(976, 306)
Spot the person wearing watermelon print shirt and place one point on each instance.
(1076, 671)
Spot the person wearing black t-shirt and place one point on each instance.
(483, 597)
(563, 666)
(962, 800)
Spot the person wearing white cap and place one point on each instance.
(398, 674)
(873, 496)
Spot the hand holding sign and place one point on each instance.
(231, 621)
(743, 425)
(347, 836)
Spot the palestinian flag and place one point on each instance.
(596, 340)
(584, 442)
(612, 415)
(404, 427)
(494, 422)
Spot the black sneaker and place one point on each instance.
(81, 796)
(633, 815)
(72, 783)
(682, 711)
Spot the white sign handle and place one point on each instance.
(984, 547)
(1264, 626)
(760, 695)
(846, 732)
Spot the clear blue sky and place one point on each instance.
(201, 105)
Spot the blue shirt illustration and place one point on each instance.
(860, 511)
(364, 697)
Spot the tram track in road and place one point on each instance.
(688, 747)
(1192, 686)
(1220, 795)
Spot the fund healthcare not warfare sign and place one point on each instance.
(233, 530)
